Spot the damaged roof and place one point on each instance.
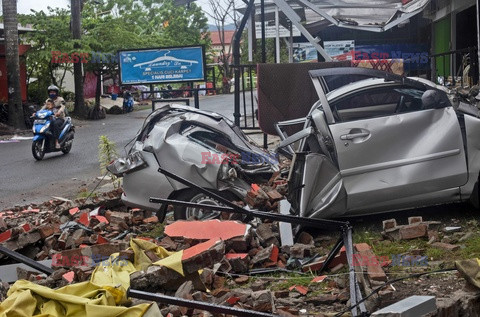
(376, 15)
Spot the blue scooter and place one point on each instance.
(44, 141)
(128, 102)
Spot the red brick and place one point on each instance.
(73, 211)
(229, 256)
(153, 219)
(274, 195)
(389, 224)
(362, 247)
(101, 240)
(340, 258)
(374, 270)
(46, 231)
(69, 276)
(446, 246)
(26, 227)
(412, 220)
(4, 236)
(102, 219)
(301, 289)
(84, 219)
(413, 231)
(319, 279)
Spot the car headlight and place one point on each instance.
(132, 162)
(226, 171)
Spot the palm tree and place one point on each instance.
(15, 107)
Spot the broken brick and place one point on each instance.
(84, 219)
(445, 246)
(73, 211)
(373, 267)
(274, 195)
(299, 288)
(128, 255)
(413, 231)
(4, 236)
(152, 219)
(69, 277)
(3, 224)
(46, 231)
(305, 238)
(265, 235)
(389, 224)
(267, 254)
(319, 279)
(238, 261)
(242, 279)
(416, 219)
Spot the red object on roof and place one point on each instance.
(215, 37)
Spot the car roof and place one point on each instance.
(371, 83)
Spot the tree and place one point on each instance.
(222, 15)
(53, 35)
(76, 26)
(104, 36)
(15, 107)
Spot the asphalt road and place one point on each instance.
(23, 180)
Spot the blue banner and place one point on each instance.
(174, 64)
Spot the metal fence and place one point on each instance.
(459, 67)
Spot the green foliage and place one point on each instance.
(107, 27)
(269, 49)
(107, 152)
(156, 232)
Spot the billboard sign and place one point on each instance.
(339, 50)
(271, 31)
(162, 65)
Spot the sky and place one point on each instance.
(24, 6)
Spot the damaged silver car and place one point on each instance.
(380, 142)
(203, 147)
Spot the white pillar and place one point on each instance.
(277, 35)
(251, 29)
(290, 47)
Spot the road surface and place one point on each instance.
(24, 180)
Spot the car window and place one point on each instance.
(376, 102)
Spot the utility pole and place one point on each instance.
(76, 26)
(15, 107)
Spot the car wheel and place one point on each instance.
(195, 196)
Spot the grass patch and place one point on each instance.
(84, 193)
(156, 232)
(472, 248)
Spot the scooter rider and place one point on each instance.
(59, 110)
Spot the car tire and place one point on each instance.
(196, 196)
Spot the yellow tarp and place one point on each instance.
(97, 298)
(82, 299)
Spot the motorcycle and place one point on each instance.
(44, 141)
(128, 103)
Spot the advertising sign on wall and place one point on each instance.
(162, 65)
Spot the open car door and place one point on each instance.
(394, 161)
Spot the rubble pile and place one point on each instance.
(222, 262)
